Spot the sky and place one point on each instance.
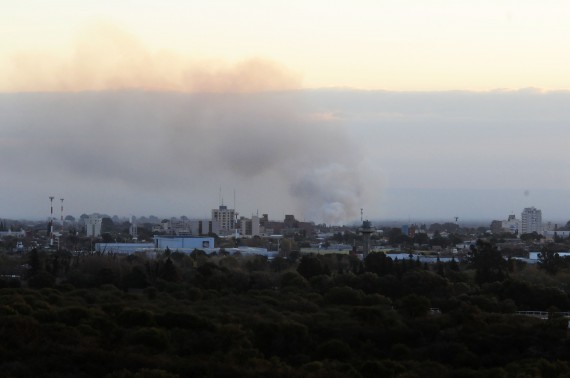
(406, 109)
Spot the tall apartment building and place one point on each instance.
(250, 227)
(226, 219)
(531, 220)
(93, 226)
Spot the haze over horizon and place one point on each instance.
(406, 110)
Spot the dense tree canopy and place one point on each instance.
(178, 315)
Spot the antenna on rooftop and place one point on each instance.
(361, 214)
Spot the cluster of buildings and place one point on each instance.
(186, 235)
(182, 244)
(529, 222)
(227, 222)
(223, 222)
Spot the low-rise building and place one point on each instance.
(16, 234)
(174, 242)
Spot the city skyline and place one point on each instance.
(406, 110)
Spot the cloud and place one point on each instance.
(105, 57)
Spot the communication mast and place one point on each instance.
(61, 199)
(50, 223)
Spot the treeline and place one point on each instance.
(319, 316)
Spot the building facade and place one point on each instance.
(250, 227)
(225, 218)
(182, 243)
(93, 226)
(531, 221)
(512, 224)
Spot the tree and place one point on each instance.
(35, 262)
(532, 236)
(169, 272)
(421, 238)
(310, 266)
(439, 240)
(41, 279)
(414, 305)
(395, 236)
(488, 263)
(135, 278)
(107, 225)
(107, 237)
(550, 260)
(378, 263)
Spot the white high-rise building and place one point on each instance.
(531, 221)
(93, 226)
(226, 219)
(255, 225)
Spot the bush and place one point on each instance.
(334, 350)
(344, 296)
(293, 280)
(414, 305)
(41, 280)
(152, 338)
(134, 317)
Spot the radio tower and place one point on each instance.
(50, 224)
(61, 199)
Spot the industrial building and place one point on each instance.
(161, 242)
(123, 248)
(182, 243)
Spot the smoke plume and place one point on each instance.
(105, 57)
(179, 148)
(124, 126)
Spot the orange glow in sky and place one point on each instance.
(255, 45)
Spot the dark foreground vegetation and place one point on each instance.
(321, 316)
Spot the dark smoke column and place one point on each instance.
(366, 230)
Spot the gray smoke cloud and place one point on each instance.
(113, 149)
(321, 155)
(122, 125)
